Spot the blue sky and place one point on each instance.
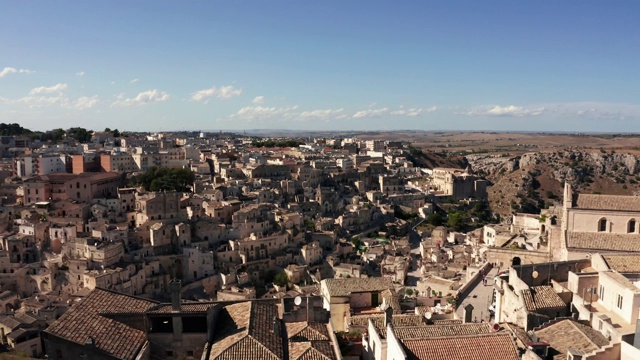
(343, 65)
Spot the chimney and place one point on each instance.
(388, 316)
(175, 286)
(467, 313)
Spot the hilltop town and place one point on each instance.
(211, 245)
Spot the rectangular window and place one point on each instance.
(601, 293)
(619, 301)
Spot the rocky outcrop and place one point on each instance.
(524, 182)
(569, 165)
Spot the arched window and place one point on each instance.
(631, 226)
(602, 225)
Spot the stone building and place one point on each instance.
(458, 184)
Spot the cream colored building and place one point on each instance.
(608, 296)
(340, 296)
(598, 223)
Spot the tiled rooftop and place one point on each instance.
(623, 263)
(83, 320)
(398, 321)
(604, 241)
(185, 308)
(478, 347)
(248, 330)
(431, 331)
(567, 334)
(311, 350)
(392, 298)
(304, 331)
(608, 202)
(344, 287)
(447, 322)
(540, 298)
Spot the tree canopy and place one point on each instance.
(13, 130)
(167, 179)
(271, 143)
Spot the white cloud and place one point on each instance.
(134, 81)
(80, 74)
(510, 110)
(57, 88)
(222, 92)
(262, 112)
(6, 71)
(371, 113)
(41, 101)
(285, 113)
(258, 100)
(320, 114)
(9, 70)
(86, 102)
(145, 97)
(413, 112)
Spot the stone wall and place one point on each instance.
(503, 258)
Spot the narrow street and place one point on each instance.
(414, 273)
(480, 297)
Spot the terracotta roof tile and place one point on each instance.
(304, 331)
(541, 297)
(431, 331)
(447, 322)
(185, 308)
(604, 241)
(84, 320)
(311, 350)
(399, 321)
(248, 330)
(623, 263)
(608, 202)
(567, 334)
(344, 287)
(479, 347)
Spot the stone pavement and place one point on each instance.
(480, 297)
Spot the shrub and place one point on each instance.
(409, 292)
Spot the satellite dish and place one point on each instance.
(297, 300)
(535, 274)
(427, 315)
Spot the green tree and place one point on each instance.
(13, 130)
(409, 292)
(281, 279)
(435, 219)
(80, 134)
(455, 219)
(166, 179)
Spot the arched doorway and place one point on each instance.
(516, 261)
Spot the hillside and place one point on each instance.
(535, 180)
(431, 159)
